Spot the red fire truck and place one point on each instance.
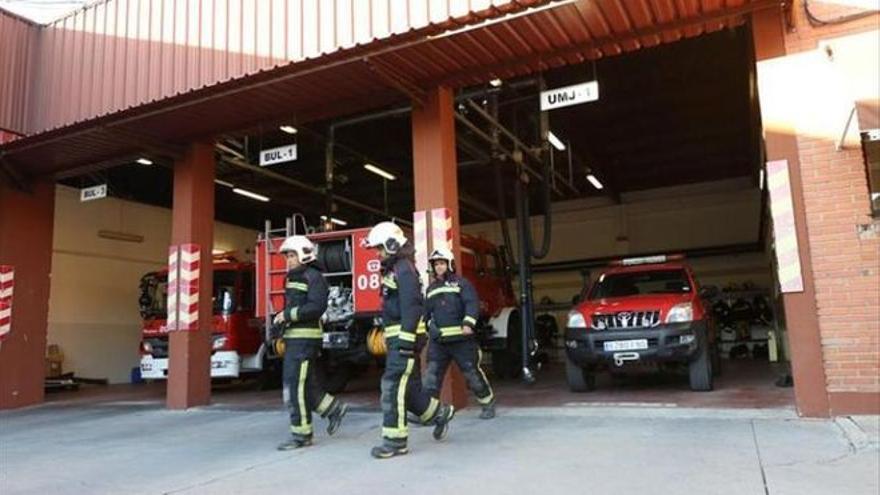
(237, 336)
(354, 276)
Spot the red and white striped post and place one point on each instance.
(788, 258)
(420, 235)
(183, 287)
(441, 228)
(7, 281)
(441, 237)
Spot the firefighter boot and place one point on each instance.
(390, 448)
(296, 442)
(334, 417)
(441, 422)
(488, 411)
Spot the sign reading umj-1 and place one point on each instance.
(278, 155)
(569, 95)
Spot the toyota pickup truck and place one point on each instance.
(646, 310)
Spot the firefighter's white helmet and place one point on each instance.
(442, 254)
(301, 245)
(386, 235)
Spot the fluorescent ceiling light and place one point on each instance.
(341, 223)
(495, 83)
(216, 252)
(761, 179)
(120, 236)
(224, 183)
(252, 195)
(594, 181)
(378, 171)
(555, 141)
(288, 129)
(144, 161)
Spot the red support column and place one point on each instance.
(801, 313)
(189, 373)
(435, 171)
(26, 225)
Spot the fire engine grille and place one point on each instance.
(626, 320)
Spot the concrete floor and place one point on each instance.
(639, 433)
(117, 447)
(744, 384)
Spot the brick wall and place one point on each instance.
(845, 264)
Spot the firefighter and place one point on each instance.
(402, 307)
(305, 295)
(452, 307)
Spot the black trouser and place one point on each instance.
(402, 391)
(302, 392)
(468, 356)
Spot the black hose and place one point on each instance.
(548, 219)
(502, 212)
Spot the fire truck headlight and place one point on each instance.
(219, 342)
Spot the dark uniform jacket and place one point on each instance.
(305, 296)
(451, 303)
(402, 301)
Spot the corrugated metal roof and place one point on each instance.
(119, 54)
(469, 51)
(17, 39)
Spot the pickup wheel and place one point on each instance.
(579, 379)
(700, 369)
(716, 361)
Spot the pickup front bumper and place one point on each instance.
(672, 342)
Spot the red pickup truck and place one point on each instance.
(641, 310)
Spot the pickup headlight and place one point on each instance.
(219, 342)
(576, 320)
(681, 313)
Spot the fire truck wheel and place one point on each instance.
(335, 376)
(271, 377)
(507, 363)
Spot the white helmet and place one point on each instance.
(301, 245)
(442, 254)
(386, 235)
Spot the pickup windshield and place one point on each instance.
(641, 283)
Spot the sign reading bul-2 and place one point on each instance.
(278, 155)
(569, 95)
(91, 193)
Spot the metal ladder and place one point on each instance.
(271, 235)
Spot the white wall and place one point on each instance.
(663, 220)
(93, 303)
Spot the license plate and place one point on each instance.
(626, 345)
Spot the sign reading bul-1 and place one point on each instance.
(569, 95)
(278, 155)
